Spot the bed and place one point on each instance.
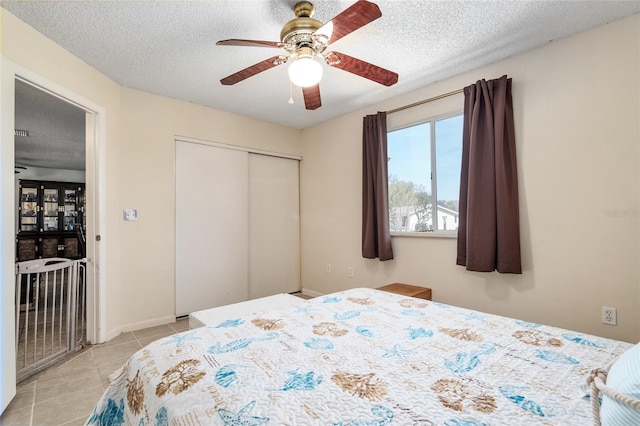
(360, 357)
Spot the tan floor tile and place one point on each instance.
(52, 389)
(76, 405)
(157, 332)
(83, 356)
(181, 324)
(302, 296)
(49, 373)
(105, 381)
(118, 353)
(122, 338)
(18, 417)
(73, 365)
(23, 398)
(107, 369)
(31, 379)
(65, 394)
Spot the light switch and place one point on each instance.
(130, 214)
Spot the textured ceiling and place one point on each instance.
(168, 47)
(56, 130)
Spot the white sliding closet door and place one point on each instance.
(211, 226)
(274, 226)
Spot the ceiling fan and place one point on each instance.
(305, 40)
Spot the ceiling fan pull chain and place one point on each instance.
(290, 92)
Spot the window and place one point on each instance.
(424, 171)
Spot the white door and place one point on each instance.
(274, 226)
(211, 226)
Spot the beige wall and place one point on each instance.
(577, 109)
(33, 55)
(138, 171)
(146, 176)
(577, 119)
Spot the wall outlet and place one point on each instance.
(327, 268)
(609, 316)
(350, 272)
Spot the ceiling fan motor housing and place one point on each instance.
(298, 31)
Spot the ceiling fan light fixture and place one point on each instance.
(305, 40)
(305, 71)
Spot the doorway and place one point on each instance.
(50, 176)
(60, 134)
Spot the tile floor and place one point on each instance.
(66, 393)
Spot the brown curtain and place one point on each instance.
(376, 237)
(489, 228)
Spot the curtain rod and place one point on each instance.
(435, 98)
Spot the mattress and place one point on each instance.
(213, 316)
(360, 357)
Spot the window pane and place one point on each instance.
(448, 159)
(409, 162)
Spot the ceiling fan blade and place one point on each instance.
(312, 97)
(253, 70)
(253, 43)
(362, 68)
(355, 16)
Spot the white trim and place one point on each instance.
(96, 304)
(237, 147)
(46, 86)
(427, 234)
(434, 174)
(427, 119)
(7, 233)
(168, 319)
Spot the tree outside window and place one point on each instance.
(424, 164)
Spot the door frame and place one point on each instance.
(95, 201)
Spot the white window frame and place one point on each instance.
(435, 233)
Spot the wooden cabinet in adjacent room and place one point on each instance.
(51, 220)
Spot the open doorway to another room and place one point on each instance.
(50, 224)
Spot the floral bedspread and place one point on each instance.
(360, 357)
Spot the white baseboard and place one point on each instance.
(169, 319)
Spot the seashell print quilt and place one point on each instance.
(360, 357)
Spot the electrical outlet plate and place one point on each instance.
(609, 316)
(327, 268)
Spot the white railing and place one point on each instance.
(50, 312)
